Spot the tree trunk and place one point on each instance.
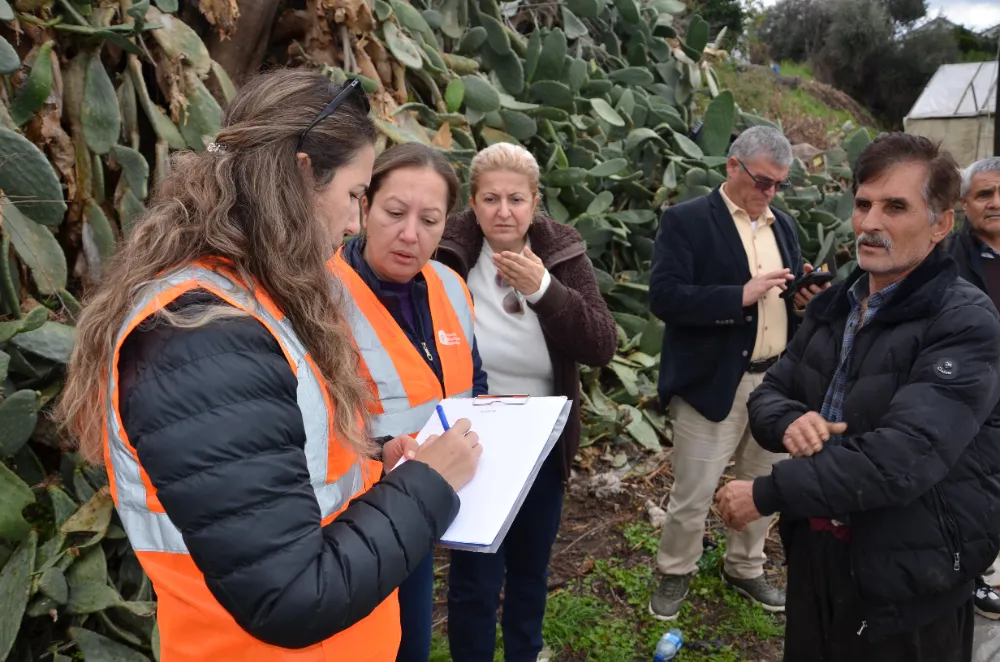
(242, 54)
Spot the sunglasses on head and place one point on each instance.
(764, 184)
(342, 96)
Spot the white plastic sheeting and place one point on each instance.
(958, 90)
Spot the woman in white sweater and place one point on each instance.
(539, 314)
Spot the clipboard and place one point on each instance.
(517, 433)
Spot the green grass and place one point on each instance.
(603, 616)
(801, 69)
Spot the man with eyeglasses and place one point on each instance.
(720, 265)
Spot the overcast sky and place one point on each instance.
(973, 14)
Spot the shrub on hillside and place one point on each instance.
(862, 47)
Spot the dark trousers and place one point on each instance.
(823, 617)
(416, 606)
(475, 579)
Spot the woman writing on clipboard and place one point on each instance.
(412, 319)
(538, 314)
(213, 375)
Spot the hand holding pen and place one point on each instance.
(454, 454)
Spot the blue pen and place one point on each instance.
(444, 420)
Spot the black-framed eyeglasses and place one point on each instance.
(350, 88)
(764, 184)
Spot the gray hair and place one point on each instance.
(989, 164)
(763, 141)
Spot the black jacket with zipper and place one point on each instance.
(212, 413)
(917, 474)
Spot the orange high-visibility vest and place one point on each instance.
(193, 626)
(407, 388)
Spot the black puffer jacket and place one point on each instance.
(213, 416)
(917, 475)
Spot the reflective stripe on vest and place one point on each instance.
(398, 414)
(147, 525)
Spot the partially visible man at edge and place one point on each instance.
(887, 401)
(720, 264)
(976, 249)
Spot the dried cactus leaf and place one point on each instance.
(222, 14)
(442, 138)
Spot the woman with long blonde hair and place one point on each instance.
(216, 378)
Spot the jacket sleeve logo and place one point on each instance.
(946, 368)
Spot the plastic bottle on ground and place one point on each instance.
(668, 646)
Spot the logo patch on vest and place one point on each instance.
(446, 338)
(946, 368)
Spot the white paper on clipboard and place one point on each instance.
(516, 434)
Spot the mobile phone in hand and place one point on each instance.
(811, 278)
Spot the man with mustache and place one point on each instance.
(887, 400)
(976, 248)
